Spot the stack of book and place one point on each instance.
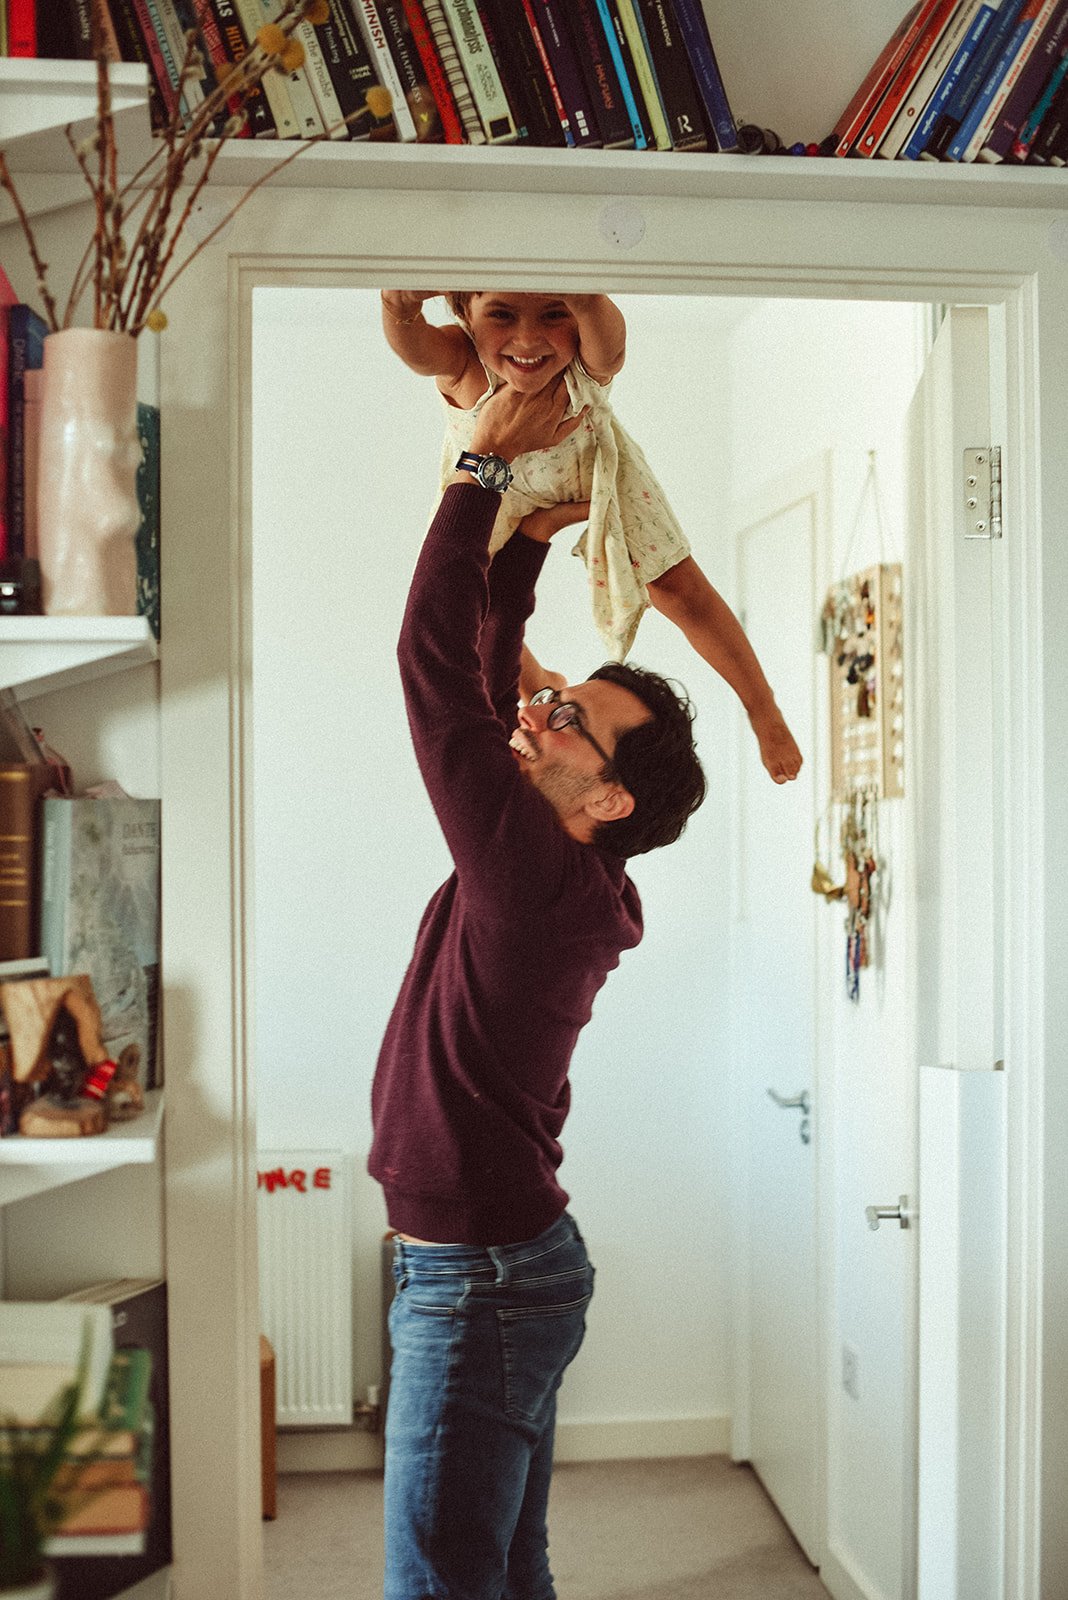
(611, 74)
(965, 80)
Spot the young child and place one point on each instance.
(634, 549)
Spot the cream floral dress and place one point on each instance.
(632, 537)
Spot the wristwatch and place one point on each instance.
(492, 472)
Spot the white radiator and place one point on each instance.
(305, 1255)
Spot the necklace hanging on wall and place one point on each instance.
(860, 850)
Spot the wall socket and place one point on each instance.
(850, 1379)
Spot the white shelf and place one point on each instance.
(30, 1166)
(42, 653)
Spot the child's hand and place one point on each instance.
(542, 523)
(778, 750)
(404, 305)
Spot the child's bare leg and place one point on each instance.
(541, 525)
(686, 597)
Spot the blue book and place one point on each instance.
(992, 82)
(959, 103)
(26, 336)
(965, 54)
(691, 20)
(625, 85)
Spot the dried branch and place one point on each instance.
(40, 267)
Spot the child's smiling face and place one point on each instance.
(524, 339)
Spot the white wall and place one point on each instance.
(346, 445)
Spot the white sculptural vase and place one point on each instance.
(87, 506)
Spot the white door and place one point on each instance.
(775, 1017)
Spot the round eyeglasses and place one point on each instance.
(566, 714)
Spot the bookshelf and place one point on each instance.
(32, 1166)
(38, 654)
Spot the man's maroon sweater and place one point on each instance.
(471, 1089)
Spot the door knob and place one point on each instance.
(899, 1214)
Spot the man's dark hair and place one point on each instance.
(655, 762)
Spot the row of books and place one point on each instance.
(612, 74)
(965, 80)
(115, 1478)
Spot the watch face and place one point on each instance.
(494, 473)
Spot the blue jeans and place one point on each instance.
(481, 1338)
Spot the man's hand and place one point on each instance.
(510, 423)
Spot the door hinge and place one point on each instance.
(982, 492)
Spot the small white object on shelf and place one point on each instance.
(43, 653)
(30, 1166)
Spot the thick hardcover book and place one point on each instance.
(139, 1323)
(100, 914)
(514, 51)
(556, 40)
(906, 77)
(840, 140)
(924, 87)
(1004, 71)
(147, 541)
(480, 69)
(412, 73)
(602, 80)
(960, 101)
(275, 85)
(260, 121)
(966, 53)
(21, 786)
(1049, 47)
(26, 335)
(682, 108)
(710, 87)
(385, 68)
(643, 67)
(348, 61)
(452, 129)
(1023, 144)
(619, 51)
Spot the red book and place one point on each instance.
(21, 27)
(850, 124)
(910, 70)
(451, 126)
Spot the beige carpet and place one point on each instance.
(624, 1530)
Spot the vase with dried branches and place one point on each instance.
(139, 244)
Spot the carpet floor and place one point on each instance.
(622, 1530)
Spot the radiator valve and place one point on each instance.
(367, 1414)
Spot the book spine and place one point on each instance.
(1045, 140)
(257, 107)
(275, 84)
(1058, 156)
(960, 102)
(924, 87)
(681, 106)
(177, 20)
(322, 84)
(451, 126)
(524, 82)
(5, 423)
(643, 67)
(602, 80)
(1049, 48)
(26, 333)
(305, 106)
(549, 75)
(706, 73)
(157, 63)
(850, 124)
(21, 28)
(620, 58)
(1024, 141)
(421, 101)
(134, 47)
(939, 101)
(366, 13)
(581, 120)
(441, 34)
(79, 17)
(483, 79)
(349, 64)
(906, 78)
(166, 46)
(31, 456)
(18, 836)
(218, 54)
(972, 132)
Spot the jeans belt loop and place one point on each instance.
(501, 1264)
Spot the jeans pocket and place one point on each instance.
(537, 1345)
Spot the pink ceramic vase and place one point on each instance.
(87, 474)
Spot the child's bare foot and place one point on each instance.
(778, 749)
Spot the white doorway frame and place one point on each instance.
(718, 246)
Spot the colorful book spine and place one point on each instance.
(960, 102)
(966, 53)
(1058, 156)
(218, 54)
(710, 86)
(1025, 139)
(166, 86)
(681, 105)
(275, 84)
(582, 120)
(1048, 50)
(840, 140)
(305, 106)
(26, 335)
(971, 134)
(257, 107)
(452, 129)
(349, 64)
(620, 57)
(925, 85)
(480, 69)
(524, 82)
(643, 66)
(1047, 138)
(550, 76)
(441, 34)
(21, 784)
(366, 13)
(409, 63)
(321, 82)
(906, 78)
(21, 28)
(602, 81)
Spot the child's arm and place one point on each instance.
(684, 595)
(442, 353)
(602, 334)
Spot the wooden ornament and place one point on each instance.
(61, 1119)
